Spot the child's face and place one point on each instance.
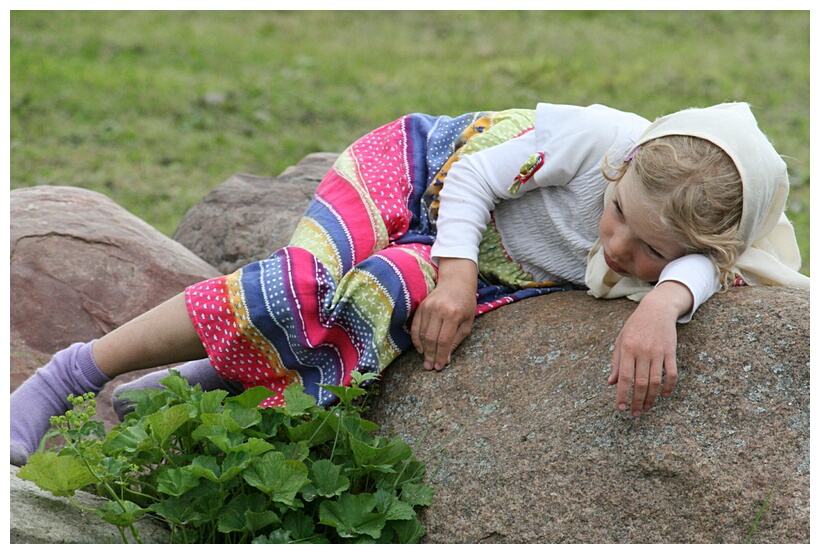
(635, 244)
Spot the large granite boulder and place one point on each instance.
(81, 265)
(525, 445)
(520, 430)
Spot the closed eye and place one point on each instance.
(655, 253)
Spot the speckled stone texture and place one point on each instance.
(525, 446)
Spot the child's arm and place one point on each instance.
(446, 315)
(646, 346)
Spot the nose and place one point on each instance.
(619, 247)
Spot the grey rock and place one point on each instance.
(39, 517)
(247, 218)
(524, 444)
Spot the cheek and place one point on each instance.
(605, 225)
(649, 269)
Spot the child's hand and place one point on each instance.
(646, 346)
(445, 317)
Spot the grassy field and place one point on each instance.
(154, 109)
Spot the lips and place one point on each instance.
(613, 266)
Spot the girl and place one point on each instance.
(427, 222)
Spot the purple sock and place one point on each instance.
(199, 372)
(44, 394)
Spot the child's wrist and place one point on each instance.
(673, 297)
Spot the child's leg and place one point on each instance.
(161, 336)
(198, 372)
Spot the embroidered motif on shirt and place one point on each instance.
(527, 170)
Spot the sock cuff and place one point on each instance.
(88, 367)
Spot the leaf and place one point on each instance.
(417, 495)
(293, 450)
(211, 401)
(164, 423)
(277, 477)
(360, 428)
(251, 398)
(221, 420)
(128, 439)
(175, 509)
(207, 467)
(352, 515)
(327, 478)
(200, 506)
(177, 385)
(345, 394)
(245, 417)
(387, 503)
(272, 420)
(246, 513)
(118, 514)
(318, 430)
(221, 437)
(260, 520)
(233, 464)
(409, 531)
(300, 525)
(297, 403)
(60, 475)
(176, 482)
(395, 451)
(254, 447)
(357, 379)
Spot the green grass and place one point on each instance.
(155, 109)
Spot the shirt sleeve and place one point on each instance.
(474, 185)
(698, 273)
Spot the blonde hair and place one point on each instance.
(698, 191)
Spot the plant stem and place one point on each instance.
(759, 515)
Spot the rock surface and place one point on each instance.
(527, 446)
(247, 218)
(524, 443)
(39, 517)
(81, 266)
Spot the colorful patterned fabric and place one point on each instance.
(340, 297)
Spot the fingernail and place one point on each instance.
(636, 413)
(622, 407)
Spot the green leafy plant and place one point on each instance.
(219, 469)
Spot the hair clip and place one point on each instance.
(632, 153)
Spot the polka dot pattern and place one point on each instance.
(340, 297)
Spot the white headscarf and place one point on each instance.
(771, 255)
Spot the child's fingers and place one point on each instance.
(430, 343)
(655, 379)
(415, 329)
(671, 368)
(626, 371)
(614, 364)
(450, 335)
(640, 386)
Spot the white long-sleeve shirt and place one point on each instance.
(550, 223)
